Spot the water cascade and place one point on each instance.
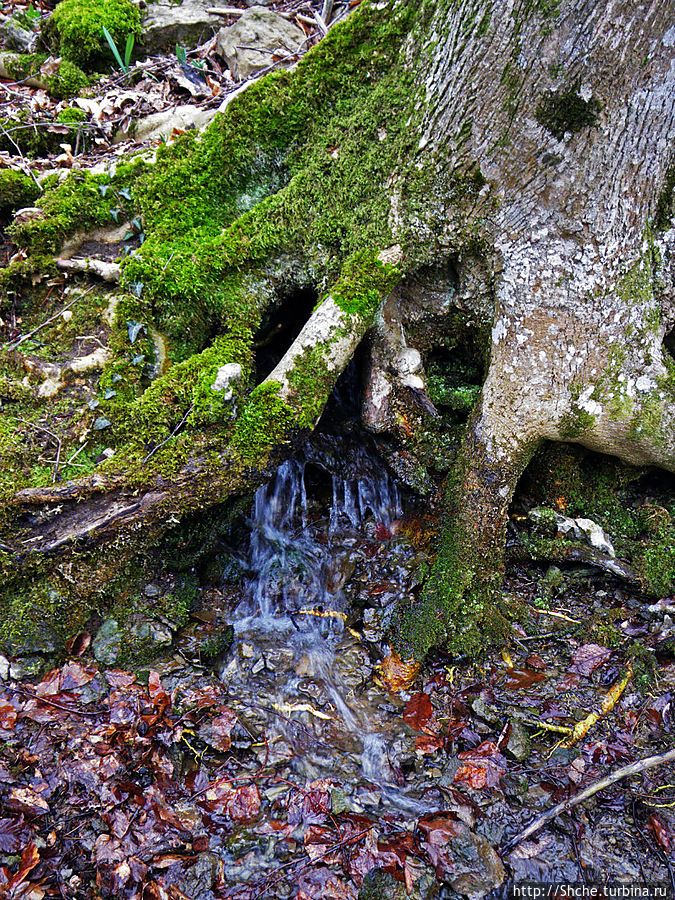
(293, 652)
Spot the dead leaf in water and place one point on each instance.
(397, 674)
(482, 767)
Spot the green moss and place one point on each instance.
(266, 421)
(81, 201)
(566, 112)
(71, 115)
(574, 423)
(78, 25)
(16, 190)
(67, 82)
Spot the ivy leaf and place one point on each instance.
(136, 288)
(134, 329)
(124, 192)
(102, 423)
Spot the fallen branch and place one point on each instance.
(108, 271)
(636, 768)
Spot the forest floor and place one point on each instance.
(167, 782)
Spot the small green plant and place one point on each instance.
(124, 64)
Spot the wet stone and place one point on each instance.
(201, 877)
(246, 650)
(279, 659)
(107, 645)
(518, 745)
(151, 591)
(352, 667)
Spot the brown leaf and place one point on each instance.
(27, 801)
(398, 674)
(482, 767)
(29, 859)
(522, 678)
(418, 711)
(588, 658)
(428, 743)
(661, 832)
(160, 699)
(78, 644)
(221, 728)
(74, 675)
(8, 715)
(244, 804)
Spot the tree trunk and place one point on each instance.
(524, 146)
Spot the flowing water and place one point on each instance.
(296, 667)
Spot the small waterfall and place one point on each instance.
(290, 560)
(294, 602)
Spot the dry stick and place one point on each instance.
(166, 440)
(636, 768)
(327, 11)
(51, 435)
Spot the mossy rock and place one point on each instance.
(67, 82)
(78, 26)
(16, 190)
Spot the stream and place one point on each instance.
(294, 659)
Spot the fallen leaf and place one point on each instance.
(397, 674)
(27, 801)
(221, 728)
(8, 715)
(588, 658)
(418, 711)
(482, 767)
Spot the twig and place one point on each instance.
(75, 454)
(636, 768)
(69, 709)
(46, 322)
(234, 11)
(327, 11)
(166, 440)
(51, 435)
(320, 22)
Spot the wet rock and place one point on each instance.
(4, 667)
(107, 645)
(258, 666)
(466, 860)
(352, 667)
(201, 878)
(225, 376)
(252, 43)
(608, 850)
(279, 659)
(515, 787)
(579, 529)
(373, 624)
(486, 711)
(216, 645)
(518, 745)
(246, 650)
(150, 631)
(380, 885)
(188, 23)
(151, 591)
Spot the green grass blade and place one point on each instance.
(113, 47)
(129, 49)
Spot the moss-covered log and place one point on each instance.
(436, 175)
